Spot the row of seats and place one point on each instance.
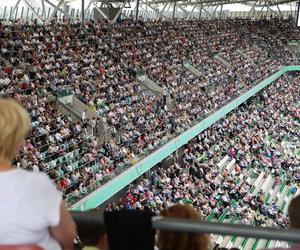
(272, 190)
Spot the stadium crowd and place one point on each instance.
(100, 64)
(195, 178)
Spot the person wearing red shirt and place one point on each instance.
(9, 70)
(63, 183)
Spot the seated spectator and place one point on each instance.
(294, 215)
(32, 210)
(168, 240)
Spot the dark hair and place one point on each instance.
(90, 232)
(293, 211)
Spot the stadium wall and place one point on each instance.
(106, 191)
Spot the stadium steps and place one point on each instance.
(268, 184)
(271, 243)
(223, 219)
(241, 242)
(273, 192)
(257, 48)
(251, 179)
(230, 166)
(283, 196)
(293, 48)
(223, 162)
(149, 84)
(195, 71)
(258, 183)
(277, 243)
(260, 244)
(270, 189)
(202, 158)
(297, 153)
(238, 242)
(218, 238)
(288, 199)
(225, 239)
(284, 244)
(245, 56)
(223, 61)
(250, 243)
(72, 106)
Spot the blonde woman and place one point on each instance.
(31, 209)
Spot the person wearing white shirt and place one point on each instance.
(32, 210)
(58, 137)
(35, 168)
(83, 115)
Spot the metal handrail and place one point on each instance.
(95, 218)
(73, 112)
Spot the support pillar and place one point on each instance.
(82, 13)
(221, 10)
(137, 10)
(200, 11)
(174, 10)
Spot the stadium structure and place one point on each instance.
(44, 10)
(154, 102)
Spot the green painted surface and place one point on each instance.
(118, 183)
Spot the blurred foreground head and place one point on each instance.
(171, 240)
(294, 212)
(14, 127)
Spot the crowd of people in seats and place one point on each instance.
(99, 66)
(195, 178)
(42, 221)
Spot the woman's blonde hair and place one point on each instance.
(14, 127)
(171, 240)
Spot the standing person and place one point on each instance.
(165, 94)
(98, 127)
(32, 210)
(94, 123)
(184, 241)
(85, 125)
(83, 115)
